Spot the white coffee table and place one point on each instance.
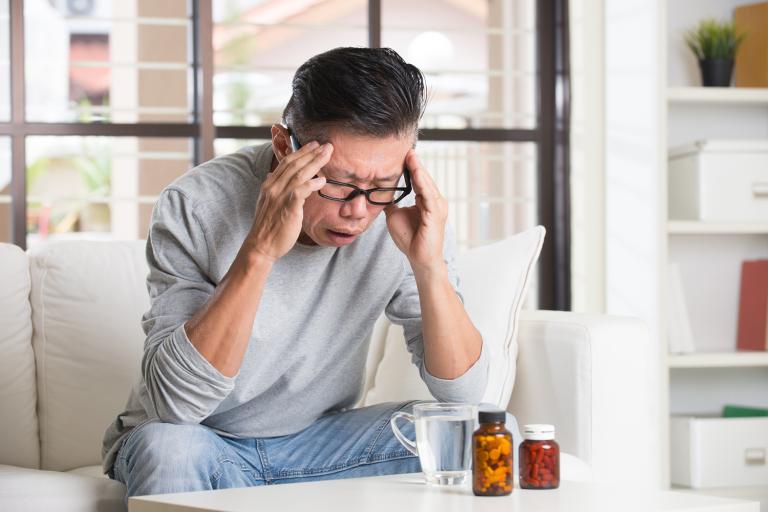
(408, 493)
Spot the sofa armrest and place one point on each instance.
(587, 375)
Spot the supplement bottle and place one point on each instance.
(492, 456)
(539, 458)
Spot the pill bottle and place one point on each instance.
(492, 468)
(539, 458)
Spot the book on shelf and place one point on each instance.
(753, 306)
(742, 411)
(751, 68)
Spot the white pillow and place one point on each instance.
(87, 300)
(493, 280)
(19, 444)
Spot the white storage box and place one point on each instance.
(719, 452)
(719, 181)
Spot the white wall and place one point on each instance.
(634, 210)
(587, 157)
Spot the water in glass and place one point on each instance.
(445, 448)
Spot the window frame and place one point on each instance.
(551, 135)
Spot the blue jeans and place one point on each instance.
(159, 458)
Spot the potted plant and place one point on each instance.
(715, 44)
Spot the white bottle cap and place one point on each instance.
(539, 432)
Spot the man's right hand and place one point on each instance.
(280, 207)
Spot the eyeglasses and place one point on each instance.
(342, 192)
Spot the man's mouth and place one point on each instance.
(342, 233)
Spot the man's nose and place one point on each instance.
(357, 208)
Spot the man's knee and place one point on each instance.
(159, 458)
(159, 444)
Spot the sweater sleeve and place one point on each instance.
(183, 386)
(404, 309)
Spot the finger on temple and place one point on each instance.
(304, 151)
(423, 184)
(312, 168)
(305, 167)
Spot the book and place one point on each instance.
(740, 411)
(751, 68)
(753, 306)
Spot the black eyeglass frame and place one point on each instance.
(356, 191)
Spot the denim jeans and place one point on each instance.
(159, 458)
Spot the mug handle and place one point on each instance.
(410, 445)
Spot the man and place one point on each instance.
(268, 269)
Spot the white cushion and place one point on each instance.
(87, 302)
(19, 444)
(375, 354)
(396, 378)
(92, 471)
(493, 280)
(32, 490)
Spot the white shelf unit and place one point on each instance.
(683, 227)
(654, 101)
(709, 255)
(719, 360)
(718, 95)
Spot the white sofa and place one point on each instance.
(71, 345)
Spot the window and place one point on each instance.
(479, 62)
(97, 187)
(120, 62)
(122, 97)
(224, 146)
(258, 45)
(491, 187)
(479, 59)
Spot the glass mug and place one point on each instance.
(443, 439)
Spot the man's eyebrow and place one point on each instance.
(349, 175)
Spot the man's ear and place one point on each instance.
(281, 141)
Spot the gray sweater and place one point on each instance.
(309, 342)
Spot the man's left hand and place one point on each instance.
(419, 230)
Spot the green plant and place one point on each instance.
(93, 164)
(96, 172)
(85, 112)
(713, 39)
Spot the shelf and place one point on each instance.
(692, 227)
(718, 95)
(718, 360)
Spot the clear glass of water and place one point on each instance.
(443, 439)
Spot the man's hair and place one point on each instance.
(362, 91)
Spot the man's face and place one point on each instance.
(367, 162)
